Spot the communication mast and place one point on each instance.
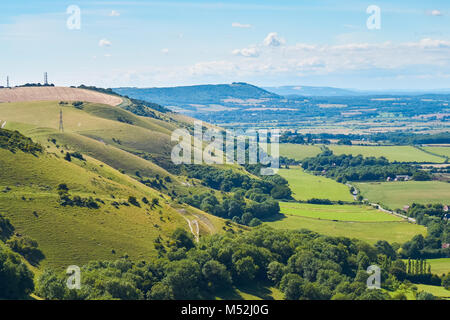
(45, 79)
(61, 127)
(7, 82)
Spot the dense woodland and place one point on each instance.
(345, 168)
(301, 264)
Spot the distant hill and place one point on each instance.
(308, 91)
(202, 94)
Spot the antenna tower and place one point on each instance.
(45, 78)
(7, 81)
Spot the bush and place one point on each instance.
(26, 247)
(15, 278)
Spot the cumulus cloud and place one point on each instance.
(391, 60)
(104, 43)
(114, 13)
(436, 13)
(241, 25)
(251, 52)
(273, 40)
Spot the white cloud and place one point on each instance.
(241, 25)
(114, 13)
(436, 13)
(251, 52)
(165, 51)
(273, 40)
(104, 43)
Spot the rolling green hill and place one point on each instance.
(73, 234)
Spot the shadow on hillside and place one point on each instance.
(277, 217)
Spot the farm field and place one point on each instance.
(371, 232)
(392, 153)
(398, 194)
(439, 266)
(443, 151)
(435, 290)
(355, 213)
(298, 151)
(306, 186)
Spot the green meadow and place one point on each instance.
(371, 232)
(307, 186)
(439, 266)
(398, 194)
(298, 151)
(357, 213)
(443, 151)
(392, 153)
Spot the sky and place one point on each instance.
(266, 43)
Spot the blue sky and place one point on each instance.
(267, 43)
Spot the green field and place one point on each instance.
(443, 151)
(439, 266)
(435, 290)
(367, 231)
(306, 186)
(398, 194)
(357, 213)
(392, 153)
(298, 151)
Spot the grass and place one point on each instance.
(357, 213)
(398, 194)
(99, 122)
(435, 290)
(298, 151)
(443, 151)
(75, 235)
(439, 266)
(392, 153)
(307, 186)
(370, 232)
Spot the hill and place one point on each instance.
(192, 100)
(120, 198)
(21, 94)
(307, 91)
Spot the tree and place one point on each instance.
(15, 278)
(216, 275)
(160, 291)
(291, 285)
(276, 271)
(183, 277)
(183, 239)
(245, 269)
(423, 295)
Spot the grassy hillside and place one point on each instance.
(392, 153)
(306, 186)
(74, 235)
(398, 194)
